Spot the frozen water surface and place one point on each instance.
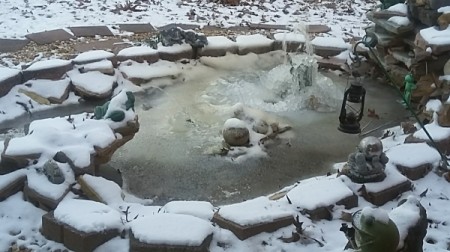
(170, 157)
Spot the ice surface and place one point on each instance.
(171, 229)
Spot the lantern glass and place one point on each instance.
(352, 109)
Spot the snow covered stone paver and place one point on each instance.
(200, 209)
(92, 56)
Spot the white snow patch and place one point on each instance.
(289, 37)
(234, 123)
(255, 211)
(433, 36)
(219, 42)
(137, 51)
(379, 214)
(46, 64)
(433, 105)
(405, 216)
(7, 179)
(6, 73)
(402, 21)
(171, 229)
(312, 194)
(88, 216)
(445, 9)
(47, 88)
(435, 130)
(200, 209)
(95, 81)
(330, 42)
(40, 183)
(107, 190)
(117, 244)
(413, 154)
(177, 48)
(255, 40)
(93, 55)
(400, 7)
(145, 71)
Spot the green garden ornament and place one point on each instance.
(115, 109)
(409, 87)
(374, 231)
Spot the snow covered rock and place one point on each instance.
(8, 79)
(170, 232)
(327, 193)
(93, 85)
(101, 190)
(254, 216)
(104, 66)
(328, 46)
(86, 224)
(200, 209)
(410, 217)
(414, 160)
(235, 132)
(440, 135)
(175, 52)
(93, 56)
(55, 91)
(292, 42)
(255, 43)
(218, 46)
(139, 73)
(52, 69)
(11, 183)
(139, 54)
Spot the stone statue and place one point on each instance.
(114, 109)
(409, 87)
(367, 163)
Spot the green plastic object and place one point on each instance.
(410, 85)
(374, 233)
(117, 115)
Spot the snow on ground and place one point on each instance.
(22, 17)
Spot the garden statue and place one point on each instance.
(367, 163)
(115, 109)
(409, 87)
(375, 231)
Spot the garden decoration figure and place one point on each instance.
(115, 109)
(409, 87)
(367, 164)
(375, 231)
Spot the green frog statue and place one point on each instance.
(115, 108)
(410, 85)
(375, 231)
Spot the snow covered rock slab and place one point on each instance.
(11, 162)
(437, 40)
(254, 216)
(139, 73)
(87, 224)
(329, 46)
(218, 46)
(170, 232)
(440, 135)
(378, 193)
(414, 160)
(103, 66)
(176, 52)
(255, 43)
(292, 41)
(138, 54)
(200, 209)
(93, 85)
(52, 69)
(101, 189)
(44, 202)
(327, 193)
(55, 91)
(8, 79)
(93, 56)
(11, 183)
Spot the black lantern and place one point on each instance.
(352, 109)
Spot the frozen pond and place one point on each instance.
(170, 157)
